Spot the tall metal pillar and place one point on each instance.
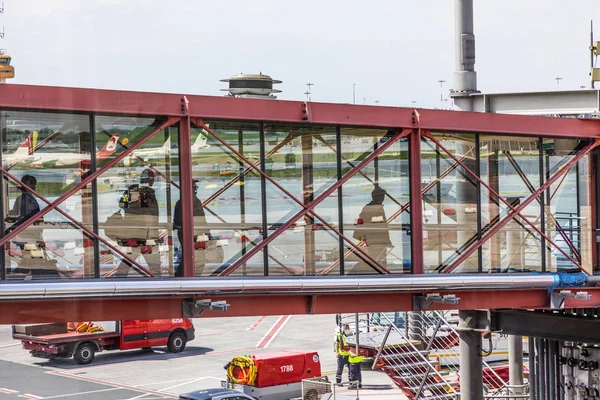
(515, 362)
(415, 327)
(471, 375)
(532, 369)
(416, 203)
(186, 193)
(541, 368)
(465, 77)
(551, 369)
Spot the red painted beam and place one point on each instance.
(21, 312)
(143, 103)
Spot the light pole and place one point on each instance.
(441, 82)
(308, 85)
(364, 100)
(558, 79)
(413, 102)
(376, 102)
(354, 93)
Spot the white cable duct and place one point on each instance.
(248, 286)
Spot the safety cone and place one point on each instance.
(70, 326)
(438, 367)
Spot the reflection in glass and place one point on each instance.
(48, 153)
(449, 202)
(568, 207)
(135, 196)
(375, 203)
(229, 190)
(511, 167)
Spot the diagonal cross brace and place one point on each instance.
(531, 188)
(515, 211)
(86, 180)
(306, 208)
(77, 223)
(524, 204)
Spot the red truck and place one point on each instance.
(58, 340)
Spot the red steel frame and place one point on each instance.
(306, 208)
(176, 110)
(194, 109)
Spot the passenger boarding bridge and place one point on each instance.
(119, 205)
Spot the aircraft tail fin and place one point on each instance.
(200, 141)
(26, 148)
(109, 148)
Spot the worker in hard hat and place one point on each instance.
(341, 349)
(354, 360)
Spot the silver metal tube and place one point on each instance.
(383, 343)
(515, 363)
(306, 285)
(471, 374)
(465, 78)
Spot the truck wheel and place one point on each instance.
(84, 353)
(176, 342)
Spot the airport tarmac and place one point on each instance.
(157, 374)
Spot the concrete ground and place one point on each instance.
(157, 374)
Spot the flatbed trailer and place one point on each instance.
(56, 340)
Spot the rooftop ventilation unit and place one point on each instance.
(256, 86)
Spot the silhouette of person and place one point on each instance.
(26, 205)
(199, 226)
(373, 232)
(30, 241)
(140, 225)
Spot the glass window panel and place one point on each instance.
(568, 207)
(136, 196)
(449, 202)
(511, 167)
(229, 191)
(49, 153)
(375, 203)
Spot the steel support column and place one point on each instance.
(515, 363)
(471, 375)
(532, 369)
(186, 195)
(416, 201)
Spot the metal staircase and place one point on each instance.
(423, 361)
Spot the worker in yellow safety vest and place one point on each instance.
(341, 349)
(354, 360)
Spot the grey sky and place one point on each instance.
(394, 50)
